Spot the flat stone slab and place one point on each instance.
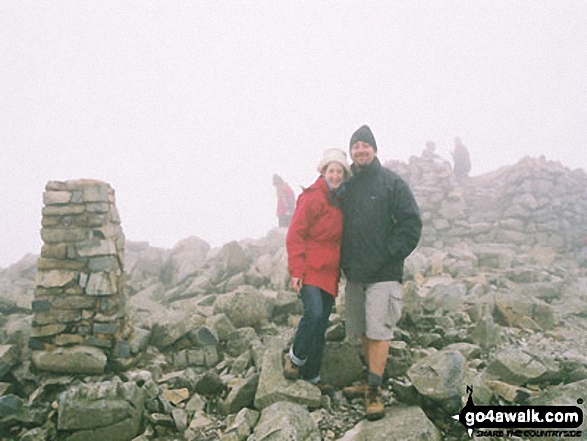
(286, 421)
(273, 386)
(77, 360)
(399, 423)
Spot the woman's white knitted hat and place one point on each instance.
(334, 155)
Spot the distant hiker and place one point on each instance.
(430, 151)
(382, 226)
(461, 159)
(429, 154)
(313, 260)
(286, 201)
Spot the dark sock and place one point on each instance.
(373, 379)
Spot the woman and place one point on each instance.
(313, 249)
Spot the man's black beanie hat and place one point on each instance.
(364, 134)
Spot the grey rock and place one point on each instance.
(244, 307)
(273, 387)
(439, 377)
(75, 360)
(561, 395)
(243, 424)
(240, 340)
(341, 364)
(495, 256)
(221, 325)
(187, 256)
(108, 410)
(515, 310)
(485, 332)
(520, 367)
(9, 357)
(241, 395)
(36, 434)
(234, 258)
(168, 327)
(204, 336)
(400, 424)
(285, 421)
(10, 405)
(286, 303)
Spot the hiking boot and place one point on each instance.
(356, 391)
(325, 389)
(291, 371)
(373, 403)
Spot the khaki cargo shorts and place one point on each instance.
(372, 309)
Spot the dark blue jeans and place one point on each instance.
(309, 340)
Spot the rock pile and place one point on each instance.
(535, 202)
(80, 316)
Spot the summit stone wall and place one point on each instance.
(535, 202)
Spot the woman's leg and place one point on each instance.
(309, 324)
(311, 370)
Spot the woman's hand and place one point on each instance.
(296, 284)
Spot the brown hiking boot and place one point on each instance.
(356, 391)
(374, 405)
(325, 389)
(291, 371)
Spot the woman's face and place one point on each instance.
(334, 174)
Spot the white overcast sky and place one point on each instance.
(187, 108)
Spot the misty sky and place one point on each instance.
(187, 108)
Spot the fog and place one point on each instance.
(187, 108)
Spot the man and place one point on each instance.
(382, 226)
(461, 159)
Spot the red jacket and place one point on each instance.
(313, 239)
(286, 200)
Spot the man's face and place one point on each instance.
(362, 153)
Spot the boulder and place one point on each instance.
(439, 377)
(234, 258)
(242, 425)
(285, 421)
(273, 386)
(241, 395)
(519, 367)
(168, 327)
(108, 410)
(341, 364)
(399, 423)
(244, 307)
(186, 257)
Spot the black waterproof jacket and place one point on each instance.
(381, 225)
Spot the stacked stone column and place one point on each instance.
(80, 315)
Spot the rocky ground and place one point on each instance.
(507, 320)
(506, 317)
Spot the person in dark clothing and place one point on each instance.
(461, 160)
(381, 227)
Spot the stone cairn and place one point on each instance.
(535, 202)
(80, 316)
